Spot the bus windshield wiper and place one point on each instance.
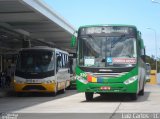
(113, 43)
(90, 36)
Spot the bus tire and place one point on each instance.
(69, 87)
(89, 96)
(63, 91)
(141, 93)
(134, 96)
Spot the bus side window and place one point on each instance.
(65, 61)
(59, 58)
(143, 55)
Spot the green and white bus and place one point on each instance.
(110, 59)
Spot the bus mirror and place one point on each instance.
(73, 41)
(143, 56)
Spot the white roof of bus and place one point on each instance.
(44, 48)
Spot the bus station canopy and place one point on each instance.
(34, 19)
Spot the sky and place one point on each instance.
(141, 13)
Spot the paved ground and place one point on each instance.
(73, 104)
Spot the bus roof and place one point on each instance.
(43, 48)
(108, 25)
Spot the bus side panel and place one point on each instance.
(141, 74)
(63, 78)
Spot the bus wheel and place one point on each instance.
(134, 96)
(63, 90)
(89, 96)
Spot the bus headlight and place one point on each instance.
(19, 82)
(81, 79)
(131, 80)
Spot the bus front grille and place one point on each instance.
(34, 87)
(108, 75)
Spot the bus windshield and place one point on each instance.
(35, 61)
(107, 51)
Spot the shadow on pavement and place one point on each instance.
(13, 103)
(119, 98)
(10, 93)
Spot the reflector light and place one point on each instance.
(91, 78)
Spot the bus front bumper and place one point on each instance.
(107, 87)
(35, 87)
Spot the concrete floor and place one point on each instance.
(72, 102)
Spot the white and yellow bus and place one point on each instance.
(41, 69)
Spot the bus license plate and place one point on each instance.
(33, 81)
(29, 80)
(105, 88)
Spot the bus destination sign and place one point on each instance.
(107, 30)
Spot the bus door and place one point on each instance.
(62, 70)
